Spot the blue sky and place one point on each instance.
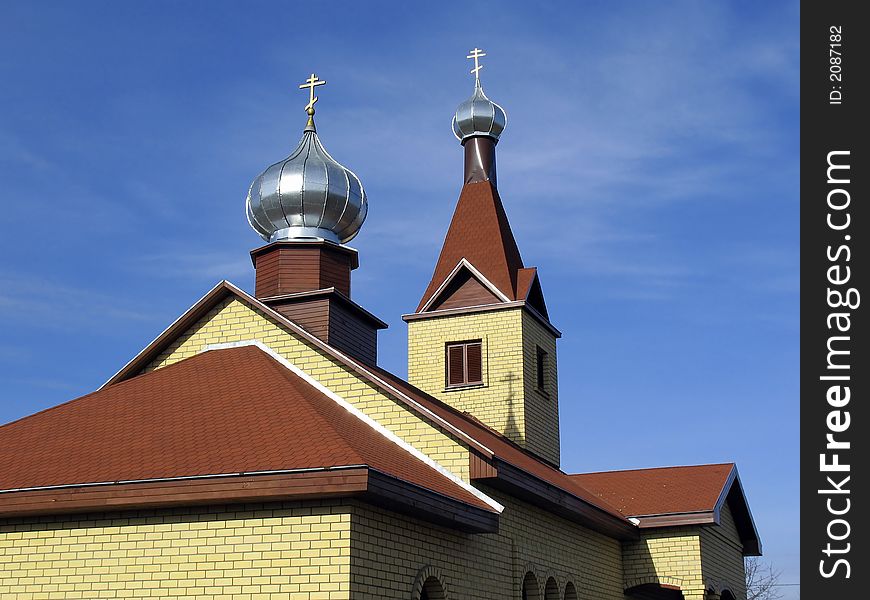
(649, 169)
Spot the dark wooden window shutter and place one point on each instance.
(464, 363)
(455, 365)
(473, 363)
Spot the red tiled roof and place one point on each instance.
(223, 411)
(480, 233)
(661, 491)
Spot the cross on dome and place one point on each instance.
(476, 55)
(311, 83)
(478, 116)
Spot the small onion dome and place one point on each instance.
(307, 195)
(478, 116)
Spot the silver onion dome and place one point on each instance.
(478, 116)
(307, 195)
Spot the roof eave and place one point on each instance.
(368, 484)
(451, 312)
(518, 482)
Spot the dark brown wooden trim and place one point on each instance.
(407, 498)
(307, 244)
(368, 484)
(327, 292)
(206, 490)
(449, 312)
(542, 319)
(480, 467)
(452, 312)
(678, 519)
(736, 499)
(523, 485)
(289, 267)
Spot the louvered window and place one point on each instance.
(541, 368)
(464, 363)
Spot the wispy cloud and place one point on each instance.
(46, 303)
(188, 263)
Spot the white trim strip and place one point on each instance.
(477, 274)
(363, 417)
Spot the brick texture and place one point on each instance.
(389, 552)
(698, 559)
(230, 553)
(508, 400)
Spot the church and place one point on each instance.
(255, 450)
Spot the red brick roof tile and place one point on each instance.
(480, 233)
(224, 411)
(665, 490)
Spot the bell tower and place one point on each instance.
(481, 339)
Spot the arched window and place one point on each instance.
(570, 591)
(551, 591)
(531, 591)
(432, 589)
(726, 595)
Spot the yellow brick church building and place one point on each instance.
(255, 449)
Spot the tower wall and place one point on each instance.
(507, 400)
(541, 406)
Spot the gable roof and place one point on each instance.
(480, 233)
(223, 412)
(463, 426)
(449, 293)
(676, 495)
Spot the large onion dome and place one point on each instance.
(478, 116)
(308, 195)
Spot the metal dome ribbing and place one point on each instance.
(478, 116)
(308, 194)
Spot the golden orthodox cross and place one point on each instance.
(311, 83)
(476, 55)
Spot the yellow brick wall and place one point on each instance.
(668, 556)
(262, 552)
(722, 556)
(542, 409)
(506, 400)
(389, 551)
(233, 321)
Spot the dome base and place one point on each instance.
(304, 233)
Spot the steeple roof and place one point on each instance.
(480, 233)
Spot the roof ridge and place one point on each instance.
(285, 373)
(724, 464)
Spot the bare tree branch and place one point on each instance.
(761, 580)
